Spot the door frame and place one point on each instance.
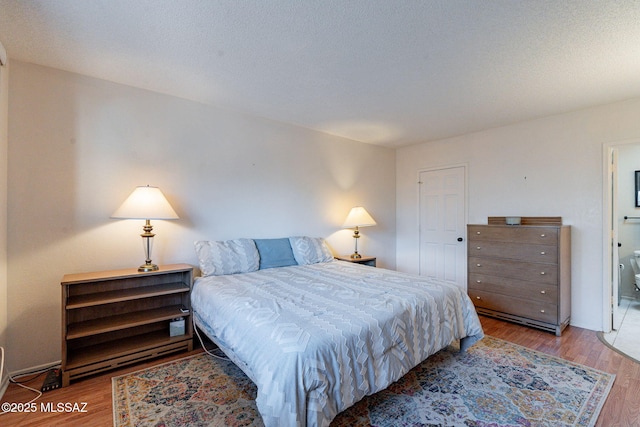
(465, 213)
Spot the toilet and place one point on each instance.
(635, 265)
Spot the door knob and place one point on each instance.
(459, 239)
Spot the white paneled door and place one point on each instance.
(442, 219)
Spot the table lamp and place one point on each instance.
(146, 203)
(358, 217)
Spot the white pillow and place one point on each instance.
(310, 250)
(228, 257)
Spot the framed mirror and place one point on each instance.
(637, 189)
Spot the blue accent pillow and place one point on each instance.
(275, 253)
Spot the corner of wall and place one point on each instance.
(4, 143)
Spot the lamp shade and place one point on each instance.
(145, 203)
(358, 217)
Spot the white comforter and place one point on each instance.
(318, 338)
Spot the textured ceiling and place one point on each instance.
(388, 72)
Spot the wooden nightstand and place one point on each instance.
(119, 317)
(366, 260)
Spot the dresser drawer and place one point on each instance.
(534, 272)
(544, 293)
(512, 233)
(511, 250)
(542, 312)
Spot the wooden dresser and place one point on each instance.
(522, 273)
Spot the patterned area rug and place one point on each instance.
(495, 384)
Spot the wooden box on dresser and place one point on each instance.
(522, 273)
(115, 318)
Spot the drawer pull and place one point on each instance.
(478, 281)
(541, 311)
(478, 265)
(477, 297)
(542, 273)
(543, 235)
(543, 253)
(478, 247)
(543, 292)
(477, 232)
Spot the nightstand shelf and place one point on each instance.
(115, 318)
(118, 322)
(365, 260)
(100, 298)
(102, 354)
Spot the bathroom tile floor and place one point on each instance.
(626, 337)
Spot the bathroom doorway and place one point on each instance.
(621, 228)
(628, 160)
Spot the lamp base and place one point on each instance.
(356, 255)
(148, 267)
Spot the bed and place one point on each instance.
(315, 334)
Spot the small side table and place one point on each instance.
(366, 260)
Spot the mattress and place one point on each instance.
(318, 338)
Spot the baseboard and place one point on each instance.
(39, 368)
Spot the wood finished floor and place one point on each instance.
(622, 407)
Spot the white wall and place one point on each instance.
(628, 231)
(78, 146)
(546, 167)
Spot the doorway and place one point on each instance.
(621, 226)
(442, 221)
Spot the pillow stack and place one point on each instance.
(235, 256)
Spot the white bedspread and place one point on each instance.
(318, 338)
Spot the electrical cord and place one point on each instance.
(206, 350)
(1, 362)
(38, 373)
(38, 394)
(35, 375)
(13, 380)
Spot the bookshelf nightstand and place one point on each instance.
(366, 260)
(115, 318)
